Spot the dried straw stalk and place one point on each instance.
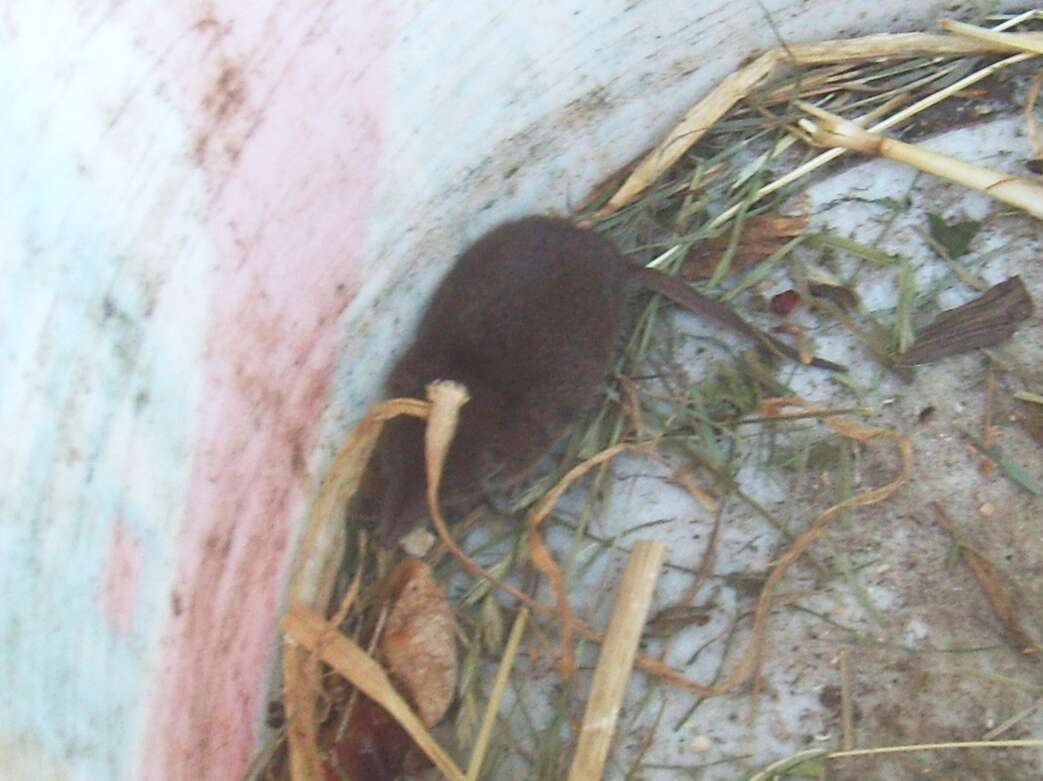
(1028, 42)
(869, 752)
(310, 631)
(314, 576)
(616, 660)
(567, 623)
(705, 114)
(834, 131)
(895, 119)
(481, 745)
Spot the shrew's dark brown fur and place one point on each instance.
(528, 319)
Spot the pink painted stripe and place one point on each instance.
(119, 587)
(287, 114)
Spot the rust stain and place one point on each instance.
(222, 103)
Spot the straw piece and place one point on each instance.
(886, 45)
(543, 560)
(832, 130)
(616, 660)
(1013, 41)
(308, 629)
(568, 624)
(895, 119)
(474, 767)
(704, 114)
(691, 128)
(868, 752)
(314, 576)
(300, 682)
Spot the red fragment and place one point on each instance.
(785, 302)
(372, 747)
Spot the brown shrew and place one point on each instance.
(528, 319)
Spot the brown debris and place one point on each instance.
(372, 745)
(418, 647)
(1030, 417)
(675, 618)
(988, 320)
(844, 297)
(307, 629)
(762, 236)
(750, 666)
(785, 302)
(1000, 596)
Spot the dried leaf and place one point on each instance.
(954, 237)
(843, 297)
(763, 235)
(418, 646)
(671, 620)
(1030, 417)
(1000, 596)
(991, 318)
(308, 630)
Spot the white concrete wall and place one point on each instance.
(219, 220)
